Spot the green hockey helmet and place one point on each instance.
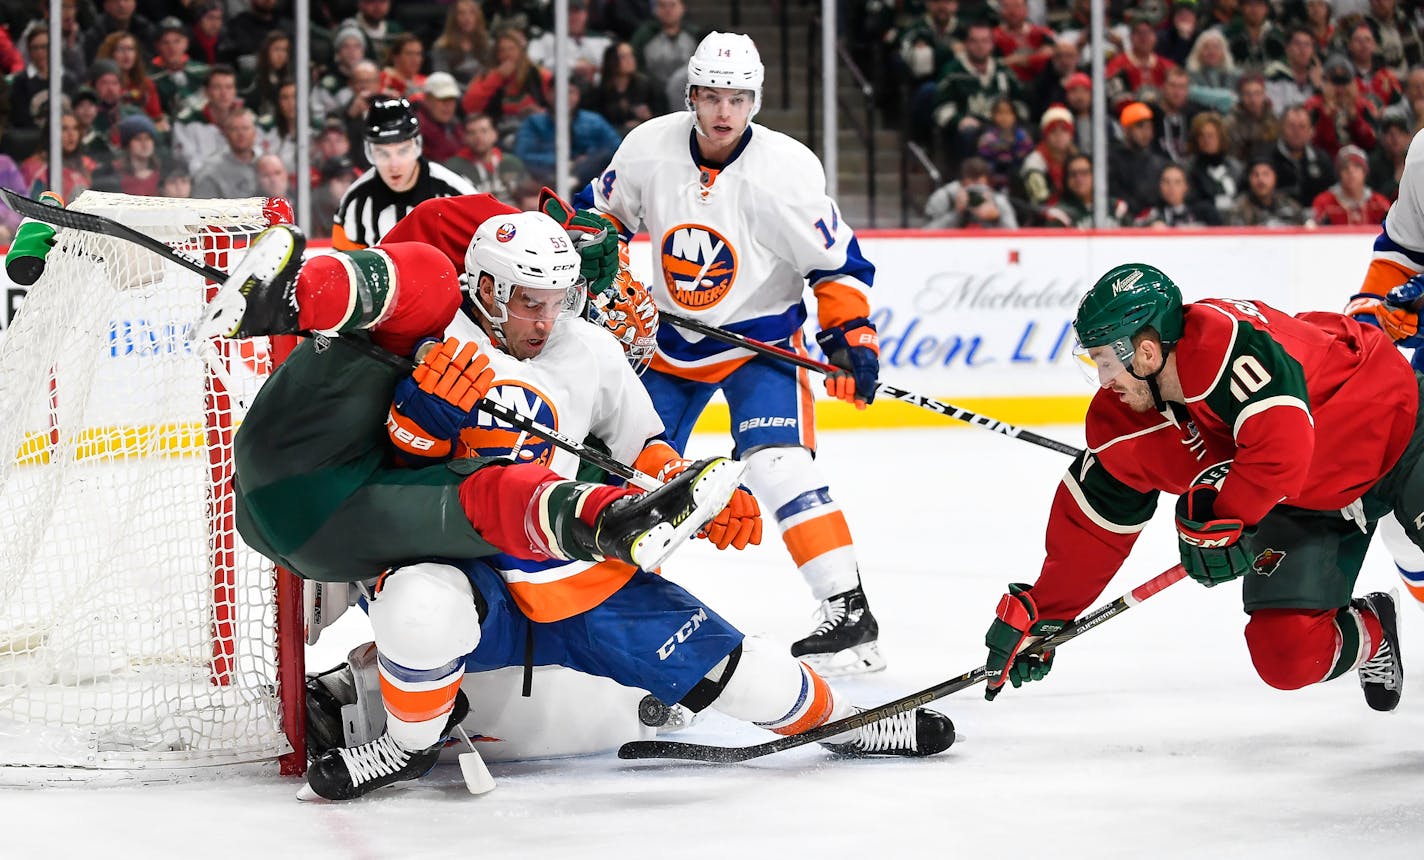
(1126, 300)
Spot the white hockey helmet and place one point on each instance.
(526, 249)
(728, 61)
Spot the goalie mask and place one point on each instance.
(533, 268)
(627, 310)
(725, 61)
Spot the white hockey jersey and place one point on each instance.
(579, 384)
(735, 245)
(1399, 248)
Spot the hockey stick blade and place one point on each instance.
(732, 755)
(91, 223)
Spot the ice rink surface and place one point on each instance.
(1151, 738)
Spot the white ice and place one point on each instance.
(1151, 738)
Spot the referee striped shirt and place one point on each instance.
(369, 209)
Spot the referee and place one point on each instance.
(402, 179)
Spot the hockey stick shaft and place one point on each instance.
(603, 461)
(882, 388)
(91, 223)
(732, 755)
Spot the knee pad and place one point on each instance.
(779, 475)
(774, 690)
(1292, 648)
(425, 615)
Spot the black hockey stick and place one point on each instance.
(91, 223)
(732, 755)
(594, 456)
(882, 388)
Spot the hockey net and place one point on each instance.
(137, 632)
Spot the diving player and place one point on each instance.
(740, 222)
(436, 621)
(1390, 298)
(1286, 440)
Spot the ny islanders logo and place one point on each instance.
(698, 266)
(491, 437)
(505, 232)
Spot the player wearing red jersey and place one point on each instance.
(1286, 439)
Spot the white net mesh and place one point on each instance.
(136, 629)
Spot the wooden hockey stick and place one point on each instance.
(91, 223)
(882, 388)
(732, 755)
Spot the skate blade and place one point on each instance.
(711, 493)
(860, 660)
(222, 316)
(306, 795)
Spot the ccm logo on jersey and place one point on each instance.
(490, 437)
(682, 633)
(698, 266)
(762, 421)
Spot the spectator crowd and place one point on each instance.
(1241, 112)
(197, 98)
(1222, 112)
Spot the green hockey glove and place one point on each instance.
(1016, 626)
(1210, 545)
(26, 260)
(593, 236)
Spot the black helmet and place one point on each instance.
(390, 120)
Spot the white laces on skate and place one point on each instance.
(831, 612)
(1379, 669)
(381, 757)
(891, 733)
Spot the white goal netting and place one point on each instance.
(136, 629)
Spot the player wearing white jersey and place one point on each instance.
(436, 621)
(1391, 298)
(740, 223)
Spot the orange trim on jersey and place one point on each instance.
(1384, 275)
(655, 457)
(341, 242)
(816, 537)
(838, 303)
(715, 372)
(806, 406)
(819, 709)
(1416, 590)
(546, 602)
(419, 706)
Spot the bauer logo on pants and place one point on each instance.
(698, 266)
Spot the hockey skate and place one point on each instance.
(916, 733)
(259, 297)
(1382, 676)
(352, 772)
(846, 641)
(643, 530)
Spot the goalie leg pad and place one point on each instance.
(787, 482)
(426, 619)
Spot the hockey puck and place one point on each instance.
(652, 712)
